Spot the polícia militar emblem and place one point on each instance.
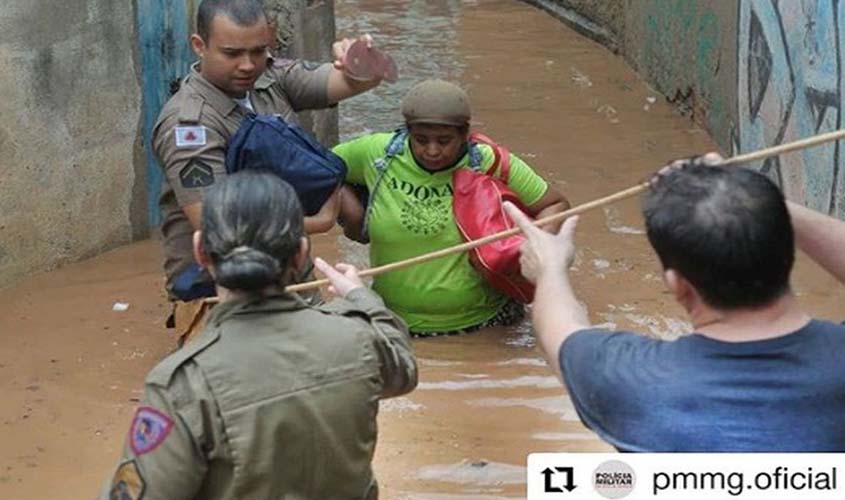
(149, 429)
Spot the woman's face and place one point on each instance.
(437, 147)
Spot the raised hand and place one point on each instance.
(543, 252)
(711, 159)
(343, 277)
(340, 47)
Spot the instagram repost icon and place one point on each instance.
(614, 479)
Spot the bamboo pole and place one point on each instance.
(373, 271)
(607, 200)
(785, 148)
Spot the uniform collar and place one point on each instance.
(218, 99)
(265, 80)
(275, 302)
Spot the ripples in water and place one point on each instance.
(478, 472)
(421, 37)
(462, 385)
(558, 405)
(564, 436)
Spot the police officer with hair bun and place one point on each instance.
(275, 398)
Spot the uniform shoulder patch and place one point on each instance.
(196, 174)
(127, 484)
(191, 136)
(149, 429)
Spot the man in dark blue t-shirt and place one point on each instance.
(758, 374)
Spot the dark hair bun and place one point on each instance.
(252, 226)
(247, 268)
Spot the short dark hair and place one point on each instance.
(243, 12)
(726, 230)
(252, 225)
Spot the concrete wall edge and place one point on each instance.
(578, 22)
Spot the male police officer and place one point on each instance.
(233, 77)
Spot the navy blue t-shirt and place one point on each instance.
(700, 394)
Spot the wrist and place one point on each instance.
(351, 290)
(557, 274)
(365, 299)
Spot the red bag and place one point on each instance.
(477, 204)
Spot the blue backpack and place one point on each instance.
(269, 143)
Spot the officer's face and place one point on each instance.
(234, 56)
(437, 146)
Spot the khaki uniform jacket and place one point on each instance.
(194, 128)
(275, 400)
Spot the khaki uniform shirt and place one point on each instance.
(194, 127)
(275, 400)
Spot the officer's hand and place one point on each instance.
(543, 252)
(711, 159)
(343, 277)
(340, 47)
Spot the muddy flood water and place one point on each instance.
(72, 369)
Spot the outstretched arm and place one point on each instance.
(391, 339)
(341, 86)
(324, 220)
(545, 260)
(553, 202)
(352, 213)
(821, 237)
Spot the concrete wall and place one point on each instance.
(686, 49)
(603, 21)
(82, 84)
(69, 118)
(756, 73)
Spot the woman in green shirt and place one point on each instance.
(410, 212)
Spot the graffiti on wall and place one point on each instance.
(789, 86)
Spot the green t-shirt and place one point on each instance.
(412, 215)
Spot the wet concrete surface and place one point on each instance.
(71, 368)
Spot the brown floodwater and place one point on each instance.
(72, 369)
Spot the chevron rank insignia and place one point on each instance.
(196, 174)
